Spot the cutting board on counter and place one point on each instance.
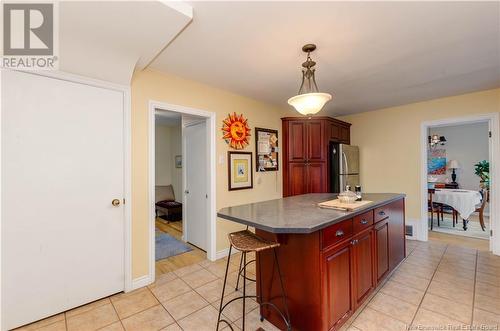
(336, 204)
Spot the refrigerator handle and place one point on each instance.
(344, 160)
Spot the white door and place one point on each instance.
(62, 165)
(196, 217)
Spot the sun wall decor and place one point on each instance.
(236, 131)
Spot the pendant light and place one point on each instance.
(309, 100)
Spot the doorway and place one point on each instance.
(458, 170)
(182, 186)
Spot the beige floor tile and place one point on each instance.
(170, 289)
(457, 271)
(487, 303)
(172, 327)
(457, 311)
(218, 268)
(451, 292)
(488, 279)
(203, 320)
(42, 323)
(394, 307)
(403, 292)
(116, 326)
(213, 290)
(128, 304)
(93, 319)
(87, 307)
(370, 319)
(234, 310)
(488, 269)
(185, 304)
(252, 322)
(446, 277)
(418, 271)
(163, 279)
(151, 319)
(198, 278)
(488, 290)
(417, 261)
(187, 270)
(485, 318)
(461, 250)
(429, 320)
(410, 280)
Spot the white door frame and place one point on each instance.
(127, 132)
(494, 158)
(210, 121)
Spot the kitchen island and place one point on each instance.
(331, 260)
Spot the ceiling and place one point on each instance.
(167, 118)
(108, 40)
(370, 55)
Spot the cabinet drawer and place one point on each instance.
(363, 221)
(381, 213)
(337, 232)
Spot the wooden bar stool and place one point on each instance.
(246, 241)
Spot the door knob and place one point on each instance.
(115, 202)
(186, 191)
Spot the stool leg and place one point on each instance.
(289, 327)
(239, 273)
(224, 287)
(244, 287)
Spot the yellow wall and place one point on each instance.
(150, 85)
(389, 141)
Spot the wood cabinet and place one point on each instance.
(305, 142)
(328, 274)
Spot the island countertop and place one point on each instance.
(300, 213)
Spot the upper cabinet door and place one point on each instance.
(345, 136)
(316, 148)
(297, 138)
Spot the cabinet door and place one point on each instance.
(334, 132)
(338, 275)
(363, 266)
(297, 141)
(297, 179)
(396, 233)
(382, 249)
(345, 135)
(316, 148)
(316, 177)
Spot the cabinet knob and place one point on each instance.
(354, 242)
(364, 222)
(381, 213)
(339, 233)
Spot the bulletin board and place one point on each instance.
(266, 145)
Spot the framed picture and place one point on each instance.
(240, 175)
(266, 149)
(178, 161)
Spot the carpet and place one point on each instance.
(474, 228)
(167, 246)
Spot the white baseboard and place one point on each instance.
(140, 282)
(223, 253)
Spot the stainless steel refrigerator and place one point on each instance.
(344, 166)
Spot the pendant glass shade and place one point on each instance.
(309, 103)
(309, 100)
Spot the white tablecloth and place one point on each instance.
(463, 201)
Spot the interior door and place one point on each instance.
(62, 165)
(196, 215)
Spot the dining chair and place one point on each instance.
(430, 206)
(480, 210)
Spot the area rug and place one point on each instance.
(474, 228)
(167, 246)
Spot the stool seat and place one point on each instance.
(247, 241)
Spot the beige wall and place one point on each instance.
(168, 144)
(149, 85)
(389, 141)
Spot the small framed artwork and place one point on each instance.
(240, 175)
(266, 145)
(178, 161)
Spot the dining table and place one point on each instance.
(463, 201)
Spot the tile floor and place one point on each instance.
(438, 285)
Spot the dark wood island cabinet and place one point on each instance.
(329, 268)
